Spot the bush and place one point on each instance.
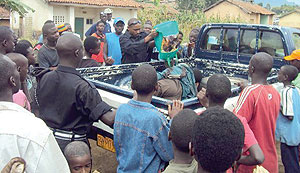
(187, 20)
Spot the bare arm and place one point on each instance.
(255, 157)
(109, 118)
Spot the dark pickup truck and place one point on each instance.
(220, 48)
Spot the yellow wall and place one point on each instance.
(225, 10)
(291, 20)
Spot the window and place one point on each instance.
(296, 39)
(271, 43)
(247, 41)
(89, 21)
(230, 40)
(212, 40)
(59, 19)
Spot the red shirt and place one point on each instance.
(260, 105)
(99, 57)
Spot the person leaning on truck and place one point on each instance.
(294, 60)
(68, 103)
(134, 43)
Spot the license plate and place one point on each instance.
(105, 143)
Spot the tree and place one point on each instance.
(15, 5)
(284, 9)
(260, 4)
(268, 6)
(193, 5)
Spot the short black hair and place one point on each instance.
(47, 27)
(180, 33)
(5, 32)
(100, 21)
(198, 75)
(218, 88)
(144, 79)
(291, 71)
(48, 21)
(90, 43)
(6, 71)
(218, 139)
(181, 129)
(22, 47)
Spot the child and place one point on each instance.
(22, 65)
(79, 157)
(218, 91)
(91, 46)
(140, 130)
(181, 135)
(218, 138)
(288, 121)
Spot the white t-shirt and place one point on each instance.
(23, 135)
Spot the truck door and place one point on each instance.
(247, 44)
(229, 45)
(210, 45)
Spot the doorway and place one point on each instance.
(79, 26)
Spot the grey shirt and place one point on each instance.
(47, 57)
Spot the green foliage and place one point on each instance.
(15, 5)
(284, 9)
(190, 4)
(187, 20)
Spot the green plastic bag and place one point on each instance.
(166, 41)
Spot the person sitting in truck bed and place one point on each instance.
(188, 50)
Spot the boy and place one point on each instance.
(113, 43)
(91, 46)
(218, 91)
(288, 121)
(217, 140)
(22, 65)
(181, 135)
(101, 56)
(294, 60)
(79, 157)
(140, 130)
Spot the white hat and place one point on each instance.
(108, 11)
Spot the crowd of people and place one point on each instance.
(47, 108)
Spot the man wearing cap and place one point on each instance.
(135, 43)
(93, 28)
(110, 21)
(113, 43)
(294, 60)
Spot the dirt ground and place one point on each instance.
(105, 161)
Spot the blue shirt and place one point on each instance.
(93, 29)
(141, 138)
(113, 46)
(287, 131)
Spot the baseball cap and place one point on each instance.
(108, 11)
(118, 19)
(295, 55)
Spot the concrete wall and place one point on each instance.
(4, 22)
(226, 9)
(291, 20)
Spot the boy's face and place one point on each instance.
(179, 39)
(80, 164)
(192, 37)
(30, 56)
(119, 27)
(100, 27)
(96, 50)
(281, 76)
(295, 63)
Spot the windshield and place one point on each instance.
(296, 39)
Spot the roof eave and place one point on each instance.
(90, 6)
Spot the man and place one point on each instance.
(93, 28)
(68, 103)
(7, 40)
(294, 60)
(21, 133)
(134, 43)
(47, 55)
(113, 43)
(259, 103)
(108, 13)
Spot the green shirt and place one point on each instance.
(296, 82)
(182, 168)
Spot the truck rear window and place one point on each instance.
(212, 40)
(296, 39)
(271, 43)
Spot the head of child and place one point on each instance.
(22, 64)
(144, 81)
(181, 130)
(260, 66)
(24, 47)
(91, 46)
(147, 28)
(179, 37)
(218, 90)
(198, 78)
(294, 58)
(287, 74)
(194, 35)
(100, 26)
(79, 157)
(218, 139)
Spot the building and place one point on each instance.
(290, 19)
(246, 11)
(81, 14)
(4, 17)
